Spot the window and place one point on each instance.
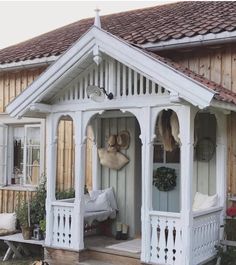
(162, 156)
(26, 155)
(3, 153)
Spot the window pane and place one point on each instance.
(33, 136)
(32, 155)
(18, 150)
(32, 173)
(158, 156)
(174, 156)
(3, 155)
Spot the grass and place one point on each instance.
(36, 255)
(25, 261)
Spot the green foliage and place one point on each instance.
(164, 179)
(42, 225)
(228, 256)
(37, 207)
(67, 194)
(22, 213)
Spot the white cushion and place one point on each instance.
(86, 198)
(211, 201)
(101, 203)
(110, 196)
(8, 221)
(203, 201)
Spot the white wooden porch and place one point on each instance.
(142, 88)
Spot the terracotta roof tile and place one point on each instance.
(154, 24)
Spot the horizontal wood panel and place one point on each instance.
(13, 83)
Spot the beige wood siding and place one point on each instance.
(217, 64)
(13, 83)
(65, 156)
(9, 199)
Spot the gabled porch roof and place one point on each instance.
(179, 81)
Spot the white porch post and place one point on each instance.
(50, 174)
(96, 167)
(221, 161)
(78, 228)
(186, 122)
(147, 164)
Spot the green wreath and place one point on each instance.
(164, 179)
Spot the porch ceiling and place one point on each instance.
(80, 56)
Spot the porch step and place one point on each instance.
(109, 257)
(94, 262)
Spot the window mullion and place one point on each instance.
(24, 156)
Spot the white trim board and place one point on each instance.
(28, 63)
(199, 40)
(157, 71)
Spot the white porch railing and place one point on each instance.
(166, 238)
(206, 232)
(62, 233)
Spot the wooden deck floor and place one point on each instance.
(96, 249)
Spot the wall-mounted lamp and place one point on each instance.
(97, 94)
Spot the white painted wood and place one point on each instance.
(63, 226)
(166, 239)
(3, 153)
(112, 77)
(124, 77)
(102, 75)
(135, 83)
(130, 82)
(118, 49)
(141, 85)
(51, 175)
(205, 232)
(78, 216)
(186, 122)
(118, 80)
(96, 164)
(221, 157)
(147, 172)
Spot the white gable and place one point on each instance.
(115, 77)
(125, 71)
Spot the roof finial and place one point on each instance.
(97, 21)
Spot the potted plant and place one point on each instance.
(23, 216)
(42, 226)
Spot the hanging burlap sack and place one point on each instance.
(112, 160)
(174, 124)
(165, 130)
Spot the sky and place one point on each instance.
(22, 20)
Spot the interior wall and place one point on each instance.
(204, 179)
(127, 181)
(167, 201)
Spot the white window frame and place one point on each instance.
(40, 125)
(3, 161)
